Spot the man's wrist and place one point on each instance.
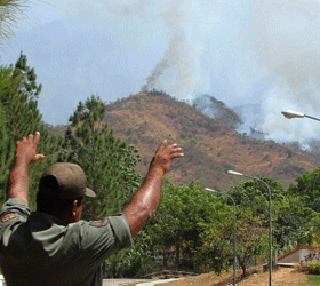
(21, 162)
(157, 170)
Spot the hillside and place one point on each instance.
(210, 145)
(217, 109)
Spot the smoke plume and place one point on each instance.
(175, 71)
(265, 52)
(287, 43)
(171, 58)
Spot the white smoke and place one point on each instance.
(176, 70)
(174, 57)
(287, 39)
(242, 52)
(185, 25)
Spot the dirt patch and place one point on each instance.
(280, 277)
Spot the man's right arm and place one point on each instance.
(25, 155)
(145, 201)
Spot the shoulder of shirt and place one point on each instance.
(15, 205)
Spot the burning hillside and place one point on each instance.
(211, 146)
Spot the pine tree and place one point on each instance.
(108, 162)
(20, 117)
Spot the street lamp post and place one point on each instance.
(289, 114)
(234, 233)
(270, 218)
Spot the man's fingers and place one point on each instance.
(175, 150)
(38, 157)
(177, 155)
(26, 148)
(173, 146)
(172, 150)
(36, 137)
(30, 137)
(162, 145)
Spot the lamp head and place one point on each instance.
(231, 172)
(289, 114)
(210, 190)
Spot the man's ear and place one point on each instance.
(75, 207)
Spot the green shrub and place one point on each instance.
(314, 267)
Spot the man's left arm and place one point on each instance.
(25, 155)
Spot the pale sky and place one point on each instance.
(240, 51)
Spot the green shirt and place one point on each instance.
(39, 249)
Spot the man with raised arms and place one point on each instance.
(53, 246)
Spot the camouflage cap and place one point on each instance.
(71, 179)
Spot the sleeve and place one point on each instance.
(13, 213)
(99, 239)
(17, 206)
(121, 230)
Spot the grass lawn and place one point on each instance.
(314, 279)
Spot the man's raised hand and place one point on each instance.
(26, 149)
(164, 156)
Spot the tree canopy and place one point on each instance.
(108, 162)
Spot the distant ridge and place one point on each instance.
(211, 146)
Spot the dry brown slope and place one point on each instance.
(211, 147)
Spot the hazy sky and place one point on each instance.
(240, 51)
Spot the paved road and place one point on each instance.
(157, 282)
(122, 282)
